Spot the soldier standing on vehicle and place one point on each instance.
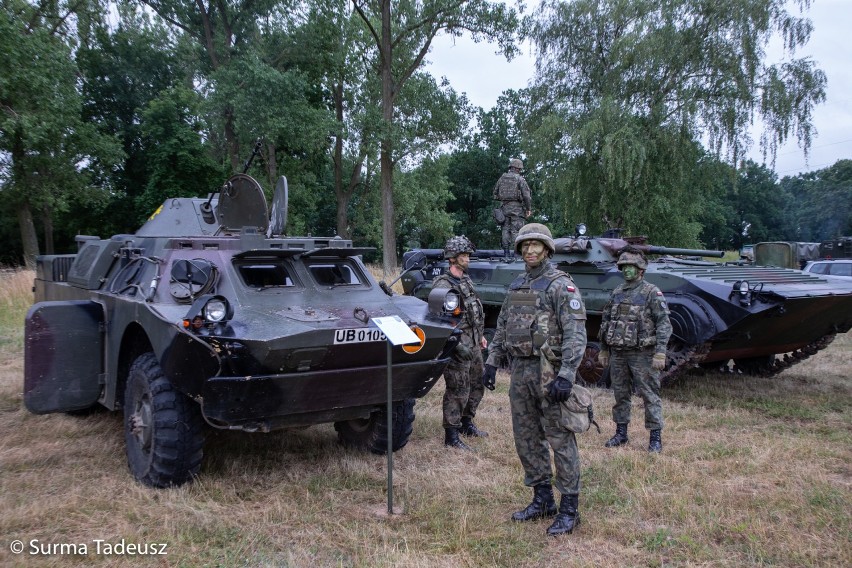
(464, 389)
(514, 194)
(634, 334)
(542, 313)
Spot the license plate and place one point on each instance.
(362, 335)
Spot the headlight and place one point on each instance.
(451, 302)
(207, 310)
(444, 302)
(215, 310)
(742, 291)
(581, 229)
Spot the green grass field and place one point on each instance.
(754, 472)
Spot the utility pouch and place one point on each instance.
(499, 216)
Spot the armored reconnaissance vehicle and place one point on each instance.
(741, 318)
(208, 314)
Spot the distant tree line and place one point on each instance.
(634, 119)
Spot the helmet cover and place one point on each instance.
(537, 232)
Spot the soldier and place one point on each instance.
(464, 389)
(542, 321)
(634, 334)
(514, 193)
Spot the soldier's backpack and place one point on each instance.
(508, 187)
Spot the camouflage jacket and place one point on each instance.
(636, 317)
(513, 191)
(473, 322)
(543, 305)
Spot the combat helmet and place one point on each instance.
(457, 245)
(537, 232)
(516, 163)
(634, 257)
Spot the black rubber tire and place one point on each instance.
(372, 433)
(163, 428)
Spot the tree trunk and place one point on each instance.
(47, 222)
(29, 238)
(386, 158)
(339, 192)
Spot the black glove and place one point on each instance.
(560, 389)
(489, 376)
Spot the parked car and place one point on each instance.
(829, 267)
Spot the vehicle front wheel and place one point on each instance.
(163, 428)
(372, 433)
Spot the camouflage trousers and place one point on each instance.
(629, 370)
(537, 428)
(463, 378)
(511, 226)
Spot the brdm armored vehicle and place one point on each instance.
(740, 318)
(208, 315)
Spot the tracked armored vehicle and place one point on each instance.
(207, 314)
(739, 318)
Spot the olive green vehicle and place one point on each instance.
(208, 315)
(755, 320)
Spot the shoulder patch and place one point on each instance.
(570, 288)
(574, 303)
(659, 292)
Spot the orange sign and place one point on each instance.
(415, 347)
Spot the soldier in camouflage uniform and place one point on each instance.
(634, 334)
(464, 389)
(514, 193)
(542, 327)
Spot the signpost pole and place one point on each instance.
(397, 332)
(390, 433)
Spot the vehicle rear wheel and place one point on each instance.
(163, 428)
(372, 433)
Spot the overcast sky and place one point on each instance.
(476, 70)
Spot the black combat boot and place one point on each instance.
(543, 504)
(620, 437)
(568, 518)
(655, 445)
(451, 439)
(468, 428)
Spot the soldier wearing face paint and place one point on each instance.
(634, 334)
(464, 390)
(542, 327)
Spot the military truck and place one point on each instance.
(209, 316)
(735, 317)
(785, 254)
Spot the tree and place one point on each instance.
(403, 36)
(821, 202)
(626, 89)
(49, 152)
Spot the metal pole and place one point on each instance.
(390, 434)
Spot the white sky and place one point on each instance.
(476, 70)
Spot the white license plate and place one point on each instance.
(362, 335)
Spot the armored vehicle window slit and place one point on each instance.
(335, 273)
(264, 275)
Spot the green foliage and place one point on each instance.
(51, 152)
(626, 89)
(178, 163)
(820, 202)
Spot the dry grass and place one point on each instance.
(754, 472)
